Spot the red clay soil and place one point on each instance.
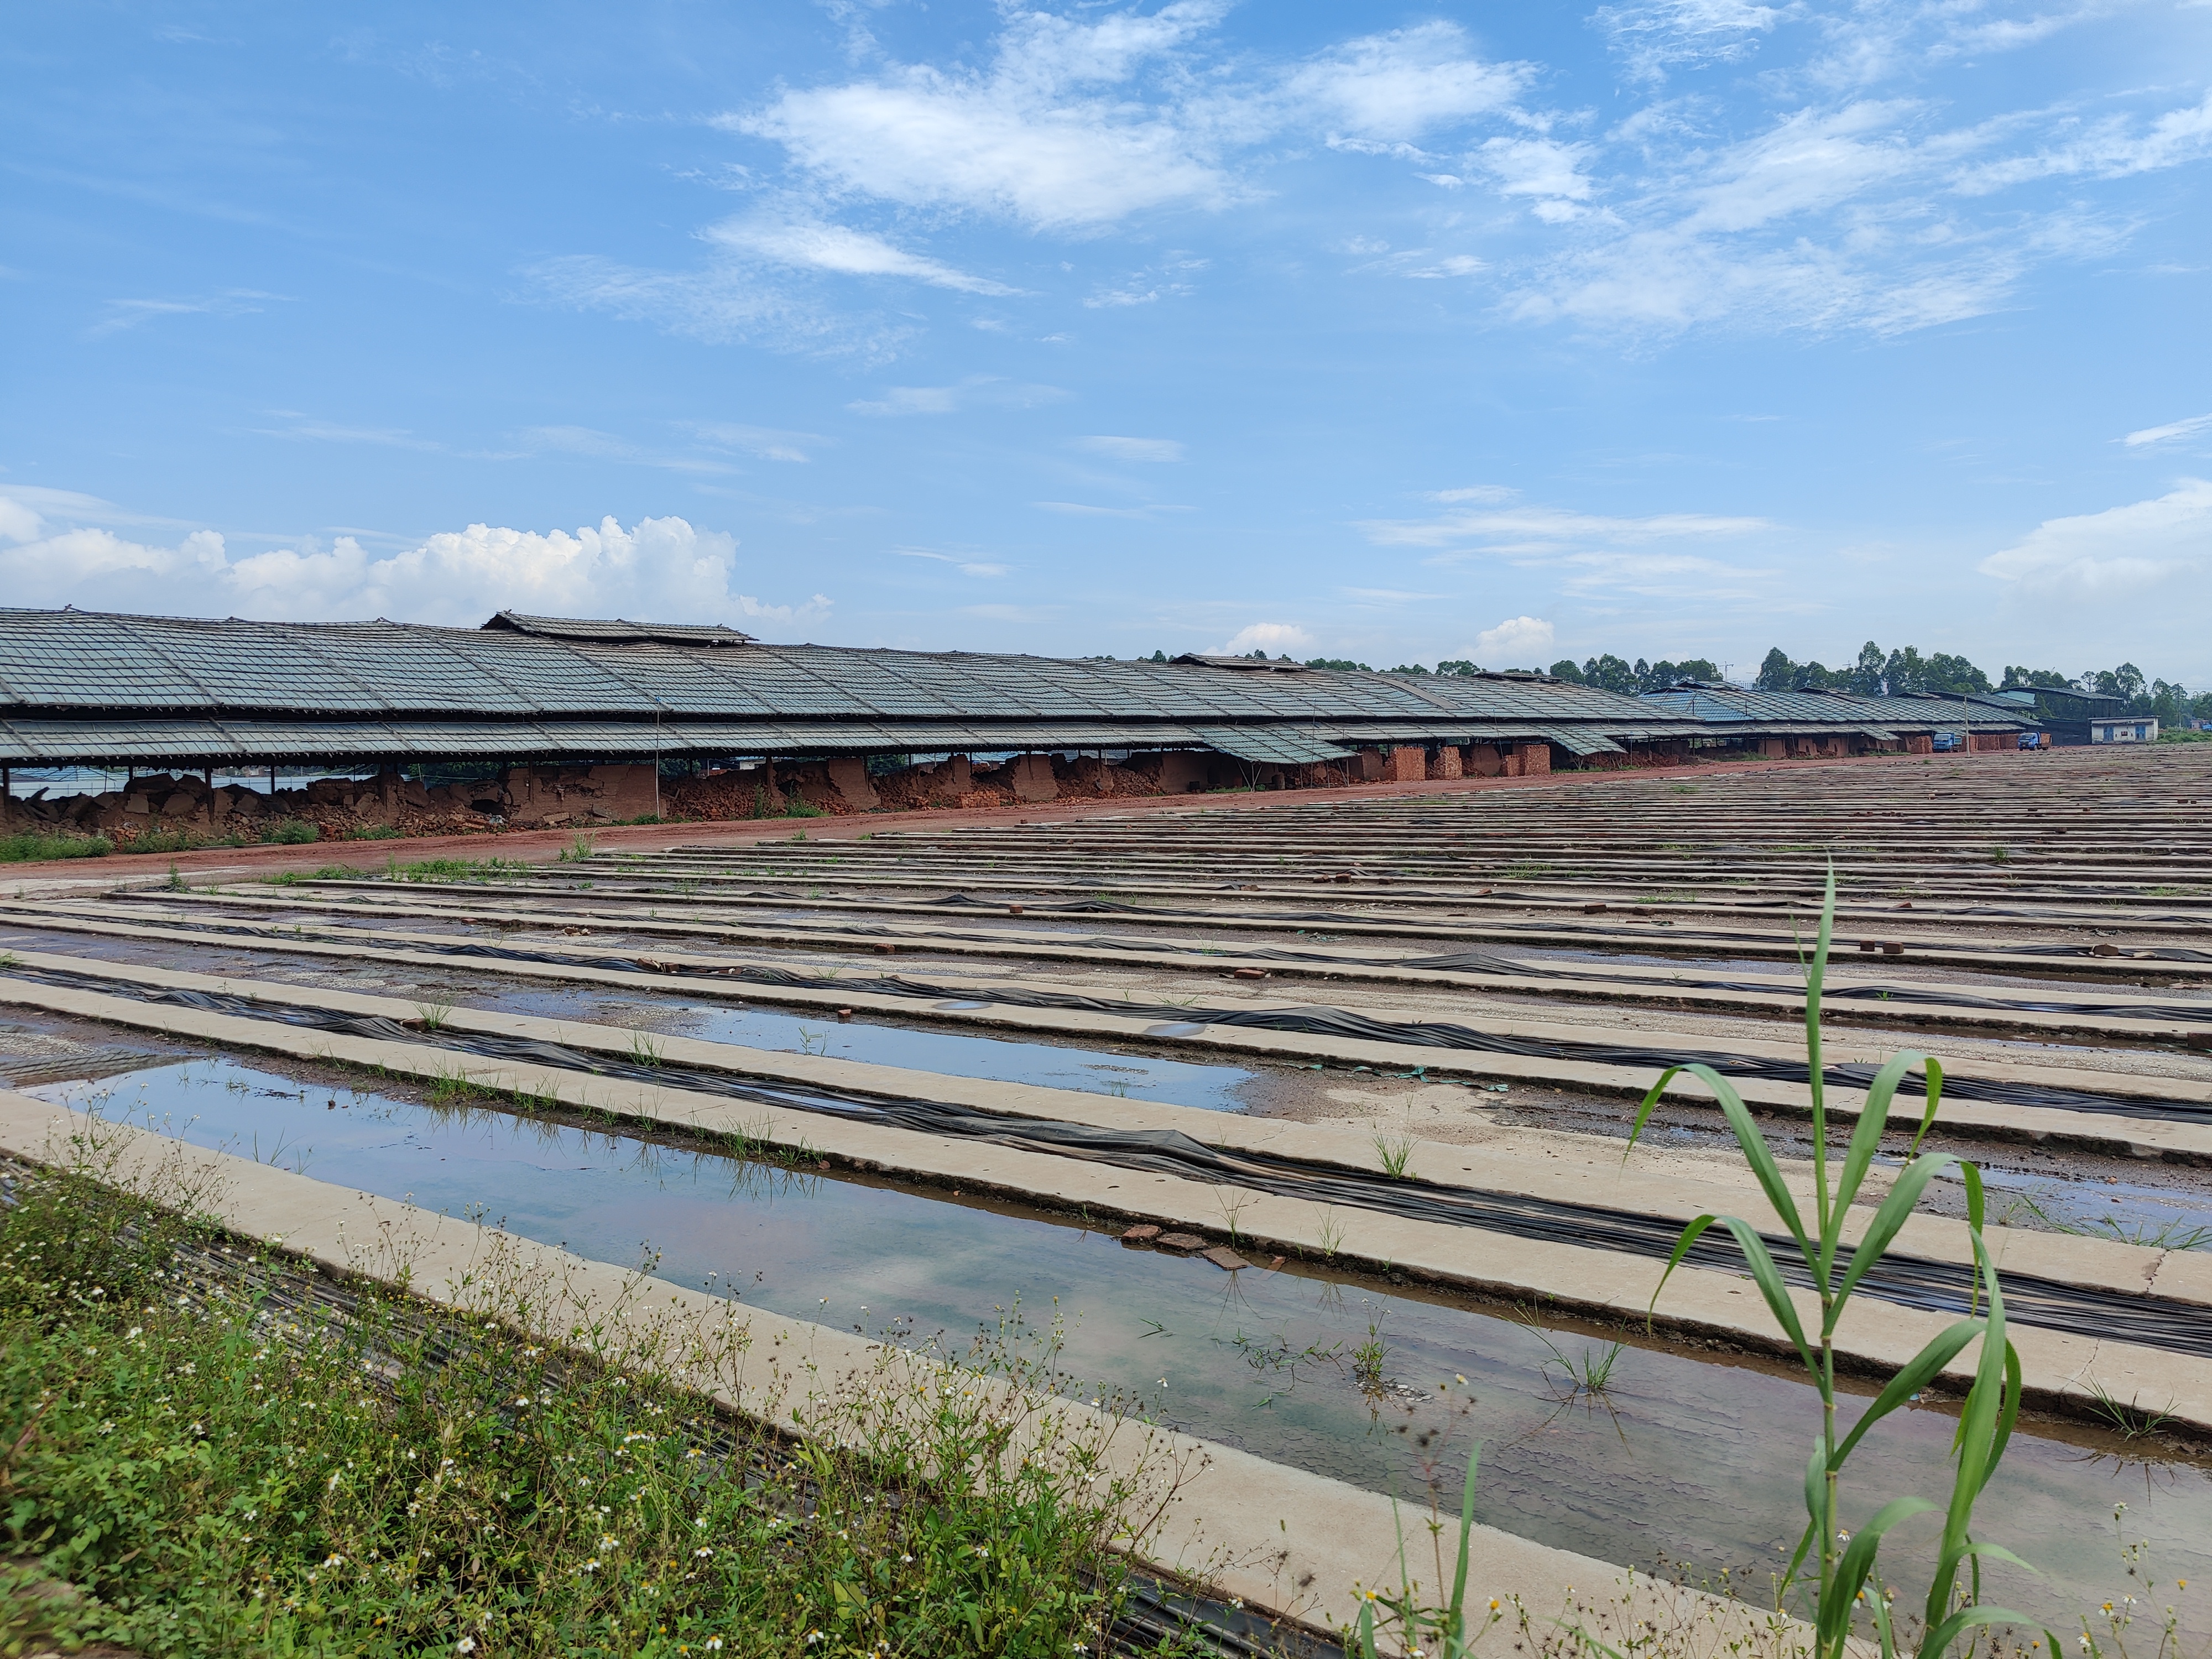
(545, 846)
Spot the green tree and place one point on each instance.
(1871, 677)
(1610, 673)
(1658, 676)
(1342, 665)
(1566, 669)
(1458, 665)
(2024, 678)
(1776, 673)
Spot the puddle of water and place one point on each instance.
(2158, 1217)
(947, 1053)
(1695, 1461)
(1093, 1070)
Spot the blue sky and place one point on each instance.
(1667, 327)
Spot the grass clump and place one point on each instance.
(479, 870)
(32, 846)
(291, 832)
(323, 872)
(208, 1458)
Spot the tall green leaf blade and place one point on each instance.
(1889, 1218)
(1918, 1373)
(1835, 1610)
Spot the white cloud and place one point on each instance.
(1475, 493)
(731, 302)
(1516, 639)
(1085, 510)
(1542, 168)
(1276, 638)
(1133, 449)
(307, 428)
(2110, 148)
(1400, 85)
(766, 442)
(1072, 126)
(1034, 137)
(1542, 530)
(844, 252)
(124, 315)
(658, 569)
(1657, 35)
(2120, 548)
(977, 391)
(965, 567)
(2159, 434)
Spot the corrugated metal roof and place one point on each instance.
(1276, 743)
(1745, 711)
(91, 687)
(58, 661)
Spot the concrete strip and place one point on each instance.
(2146, 1138)
(1879, 1336)
(1279, 1538)
(1625, 983)
(1649, 1181)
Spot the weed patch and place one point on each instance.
(32, 846)
(212, 1459)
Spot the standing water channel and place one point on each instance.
(1676, 1460)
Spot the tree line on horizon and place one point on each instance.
(1877, 673)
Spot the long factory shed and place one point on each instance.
(91, 689)
(85, 687)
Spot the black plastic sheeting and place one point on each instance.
(1909, 1281)
(1469, 962)
(1320, 1021)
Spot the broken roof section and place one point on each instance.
(99, 688)
(618, 631)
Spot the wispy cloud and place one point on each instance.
(1656, 36)
(305, 428)
(731, 302)
(1088, 510)
(965, 567)
(769, 443)
(1547, 531)
(1133, 449)
(977, 391)
(2168, 434)
(813, 245)
(124, 315)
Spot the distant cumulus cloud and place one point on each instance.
(2121, 549)
(657, 569)
(1517, 638)
(1276, 638)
